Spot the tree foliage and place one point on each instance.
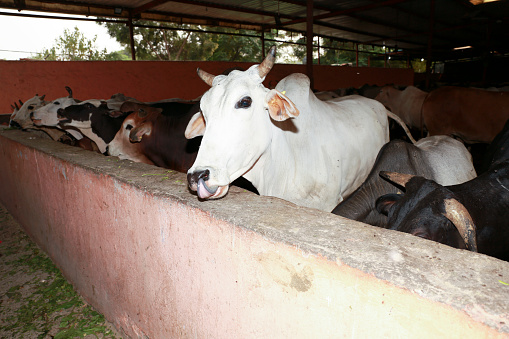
(189, 43)
(73, 46)
(170, 41)
(163, 44)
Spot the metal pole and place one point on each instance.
(131, 36)
(262, 37)
(318, 44)
(356, 55)
(309, 42)
(430, 44)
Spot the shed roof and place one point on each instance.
(400, 24)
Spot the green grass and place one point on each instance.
(46, 304)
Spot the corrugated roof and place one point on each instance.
(404, 24)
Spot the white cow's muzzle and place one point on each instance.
(213, 192)
(199, 182)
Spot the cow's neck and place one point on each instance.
(95, 138)
(274, 171)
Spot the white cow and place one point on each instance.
(406, 104)
(47, 115)
(314, 160)
(21, 116)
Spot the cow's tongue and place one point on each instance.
(204, 192)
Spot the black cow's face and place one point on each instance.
(421, 212)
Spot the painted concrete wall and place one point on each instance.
(159, 263)
(157, 80)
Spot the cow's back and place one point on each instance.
(450, 161)
(474, 115)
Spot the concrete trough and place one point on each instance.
(159, 263)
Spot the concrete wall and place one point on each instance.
(157, 262)
(157, 80)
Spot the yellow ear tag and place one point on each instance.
(284, 92)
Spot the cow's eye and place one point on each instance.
(129, 127)
(245, 102)
(31, 107)
(56, 103)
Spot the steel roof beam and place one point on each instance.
(148, 6)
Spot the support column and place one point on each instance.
(309, 42)
(262, 37)
(131, 36)
(430, 43)
(356, 55)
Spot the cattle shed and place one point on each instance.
(159, 263)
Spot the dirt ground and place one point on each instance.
(35, 300)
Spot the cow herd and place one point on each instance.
(332, 153)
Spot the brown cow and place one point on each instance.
(474, 115)
(406, 104)
(154, 134)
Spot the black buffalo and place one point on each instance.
(440, 158)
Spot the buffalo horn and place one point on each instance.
(268, 62)
(459, 216)
(207, 77)
(69, 90)
(400, 179)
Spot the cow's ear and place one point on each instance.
(137, 133)
(385, 202)
(279, 106)
(117, 114)
(196, 126)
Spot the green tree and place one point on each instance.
(73, 46)
(191, 42)
(164, 44)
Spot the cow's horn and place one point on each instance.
(459, 216)
(207, 77)
(400, 179)
(20, 102)
(268, 62)
(69, 90)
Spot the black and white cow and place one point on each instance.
(99, 123)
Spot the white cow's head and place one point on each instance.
(236, 126)
(21, 117)
(47, 115)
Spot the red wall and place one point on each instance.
(156, 80)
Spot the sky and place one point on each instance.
(22, 37)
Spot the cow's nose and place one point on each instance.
(14, 124)
(193, 178)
